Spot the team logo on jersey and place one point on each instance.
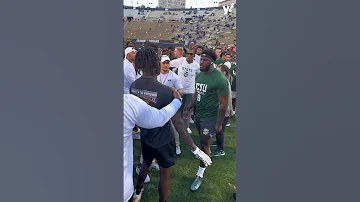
(186, 74)
(206, 131)
(201, 88)
(147, 96)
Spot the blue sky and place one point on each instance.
(154, 3)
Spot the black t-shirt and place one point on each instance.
(156, 95)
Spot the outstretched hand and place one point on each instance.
(202, 157)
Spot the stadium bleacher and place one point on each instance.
(207, 26)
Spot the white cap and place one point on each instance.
(164, 58)
(228, 64)
(129, 50)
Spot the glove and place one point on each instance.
(202, 156)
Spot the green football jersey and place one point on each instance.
(233, 76)
(208, 88)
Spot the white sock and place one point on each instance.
(200, 172)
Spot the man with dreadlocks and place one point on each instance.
(158, 143)
(154, 164)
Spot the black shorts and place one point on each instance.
(165, 155)
(206, 127)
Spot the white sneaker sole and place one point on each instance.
(137, 198)
(178, 151)
(147, 180)
(155, 166)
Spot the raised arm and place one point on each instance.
(175, 62)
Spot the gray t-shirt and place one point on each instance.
(156, 95)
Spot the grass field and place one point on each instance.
(219, 179)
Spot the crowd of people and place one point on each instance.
(206, 27)
(197, 86)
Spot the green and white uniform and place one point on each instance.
(208, 88)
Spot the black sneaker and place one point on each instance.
(234, 196)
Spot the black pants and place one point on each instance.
(220, 135)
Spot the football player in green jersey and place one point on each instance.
(211, 103)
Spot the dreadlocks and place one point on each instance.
(147, 62)
(151, 45)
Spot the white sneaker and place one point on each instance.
(137, 198)
(189, 130)
(178, 151)
(191, 121)
(228, 124)
(147, 180)
(155, 165)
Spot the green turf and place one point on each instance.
(219, 179)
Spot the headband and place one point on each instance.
(207, 56)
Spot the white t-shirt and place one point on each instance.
(170, 79)
(129, 75)
(137, 112)
(176, 63)
(197, 59)
(187, 74)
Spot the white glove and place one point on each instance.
(202, 156)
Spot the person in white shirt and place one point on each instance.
(138, 112)
(129, 69)
(191, 45)
(130, 76)
(169, 78)
(199, 50)
(187, 74)
(179, 55)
